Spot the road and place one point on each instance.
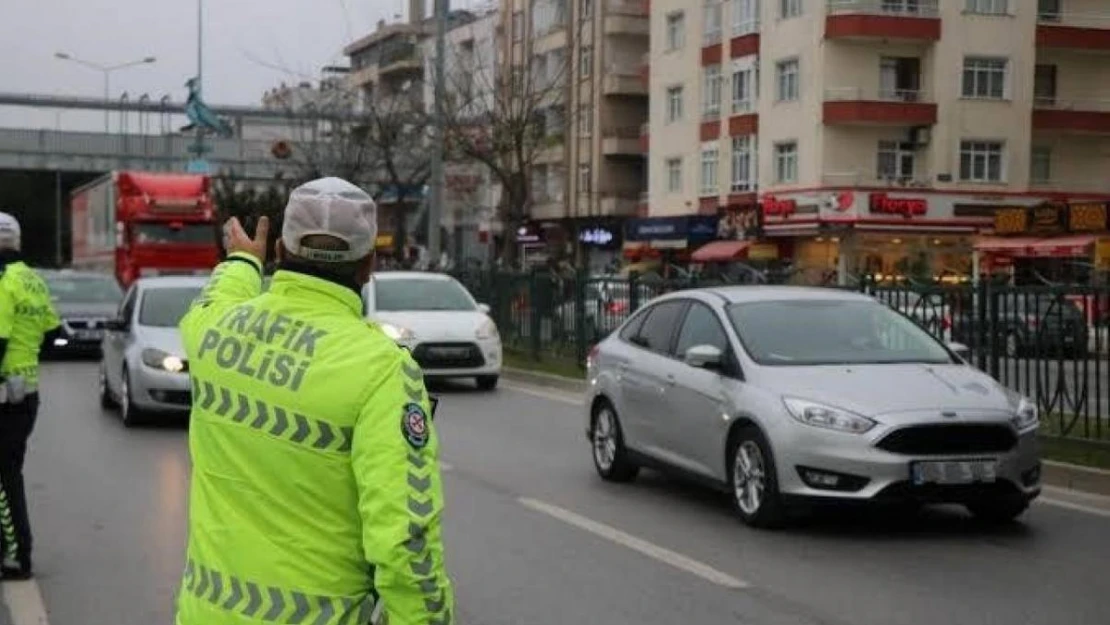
(535, 538)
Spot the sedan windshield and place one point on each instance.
(400, 295)
(828, 332)
(164, 307)
(83, 289)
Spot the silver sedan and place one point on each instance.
(787, 395)
(143, 370)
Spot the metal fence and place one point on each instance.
(1050, 343)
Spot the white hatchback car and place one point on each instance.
(449, 334)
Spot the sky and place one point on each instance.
(249, 46)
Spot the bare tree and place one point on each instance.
(500, 112)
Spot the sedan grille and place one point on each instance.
(940, 439)
(448, 356)
(86, 324)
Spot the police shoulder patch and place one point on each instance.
(414, 425)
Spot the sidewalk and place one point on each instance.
(1053, 473)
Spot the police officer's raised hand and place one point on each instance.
(236, 238)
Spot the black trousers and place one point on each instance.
(16, 424)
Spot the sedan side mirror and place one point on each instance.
(484, 308)
(961, 350)
(704, 357)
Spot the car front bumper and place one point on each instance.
(160, 391)
(453, 358)
(866, 473)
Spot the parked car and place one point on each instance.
(433, 315)
(1025, 325)
(143, 370)
(929, 310)
(787, 395)
(85, 301)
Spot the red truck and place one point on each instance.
(136, 224)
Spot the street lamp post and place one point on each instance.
(107, 71)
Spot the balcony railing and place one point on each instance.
(627, 7)
(1079, 105)
(876, 179)
(744, 107)
(862, 94)
(1075, 20)
(921, 8)
(623, 132)
(1089, 184)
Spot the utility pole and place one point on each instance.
(435, 201)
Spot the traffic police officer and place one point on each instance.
(315, 494)
(26, 315)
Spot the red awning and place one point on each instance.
(721, 251)
(1029, 247)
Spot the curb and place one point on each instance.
(1059, 474)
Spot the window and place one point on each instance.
(585, 120)
(981, 161)
(165, 306)
(710, 165)
(1044, 85)
(429, 294)
(984, 78)
(586, 62)
(584, 178)
(900, 78)
(896, 161)
(988, 7)
(711, 32)
(787, 80)
(674, 103)
(585, 9)
(81, 289)
(711, 92)
(674, 175)
(786, 162)
(1048, 10)
(1040, 164)
(632, 328)
(745, 17)
(744, 94)
(676, 31)
(790, 8)
(518, 26)
(127, 306)
(902, 6)
(743, 164)
(659, 327)
(701, 327)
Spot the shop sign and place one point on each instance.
(702, 227)
(1011, 220)
(651, 228)
(596, 236)
(883, 204)
(1102, 254)
(1047, 219)
(528, 234)
(774, 207)
(741, 223)
(1087, 217)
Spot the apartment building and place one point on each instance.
(592, 172)
(874, 136)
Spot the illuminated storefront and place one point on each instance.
(1058, 242)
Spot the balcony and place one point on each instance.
(623, 81)
(872, 179)
(744, 119)
(1077, 31)
(619, 203)
(895, 107)
(627, 18)
(404, 58)
(1072, 116)
(881, 20)
(1070, 185)
(623, 141)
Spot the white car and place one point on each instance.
(432, 315)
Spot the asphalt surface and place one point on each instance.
(535, 538)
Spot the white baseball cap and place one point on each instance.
(335, 208)
(10, 233)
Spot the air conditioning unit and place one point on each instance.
(920, 135)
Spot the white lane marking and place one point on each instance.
(446, 466)
(24, 602)
(650, 550)
(1102, 512)
(559, 397)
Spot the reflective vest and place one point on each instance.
(315, 494)
(26, 315)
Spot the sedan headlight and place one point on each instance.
(397, 333)
(159, 359)
(827, 417)
(1027, 417)
(487, 330)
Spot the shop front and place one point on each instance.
(1051, 242)
(667, 241)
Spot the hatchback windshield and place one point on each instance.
(83, 289)
(827, 332)
(164, 307)
(394, 295)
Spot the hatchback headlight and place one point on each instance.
(488, 330)
(1027, 417)
(159, 359)
(397, 333)
(827, 417)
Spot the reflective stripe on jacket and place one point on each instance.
(26, 315)
(316, 486)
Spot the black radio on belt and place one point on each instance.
(434, 402)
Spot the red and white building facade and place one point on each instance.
(868, 136)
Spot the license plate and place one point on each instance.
(449, 352)
(88, 335)
(953, 471)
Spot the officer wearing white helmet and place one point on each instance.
(26, 315)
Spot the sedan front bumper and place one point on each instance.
(156, 390)
(457, 359)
